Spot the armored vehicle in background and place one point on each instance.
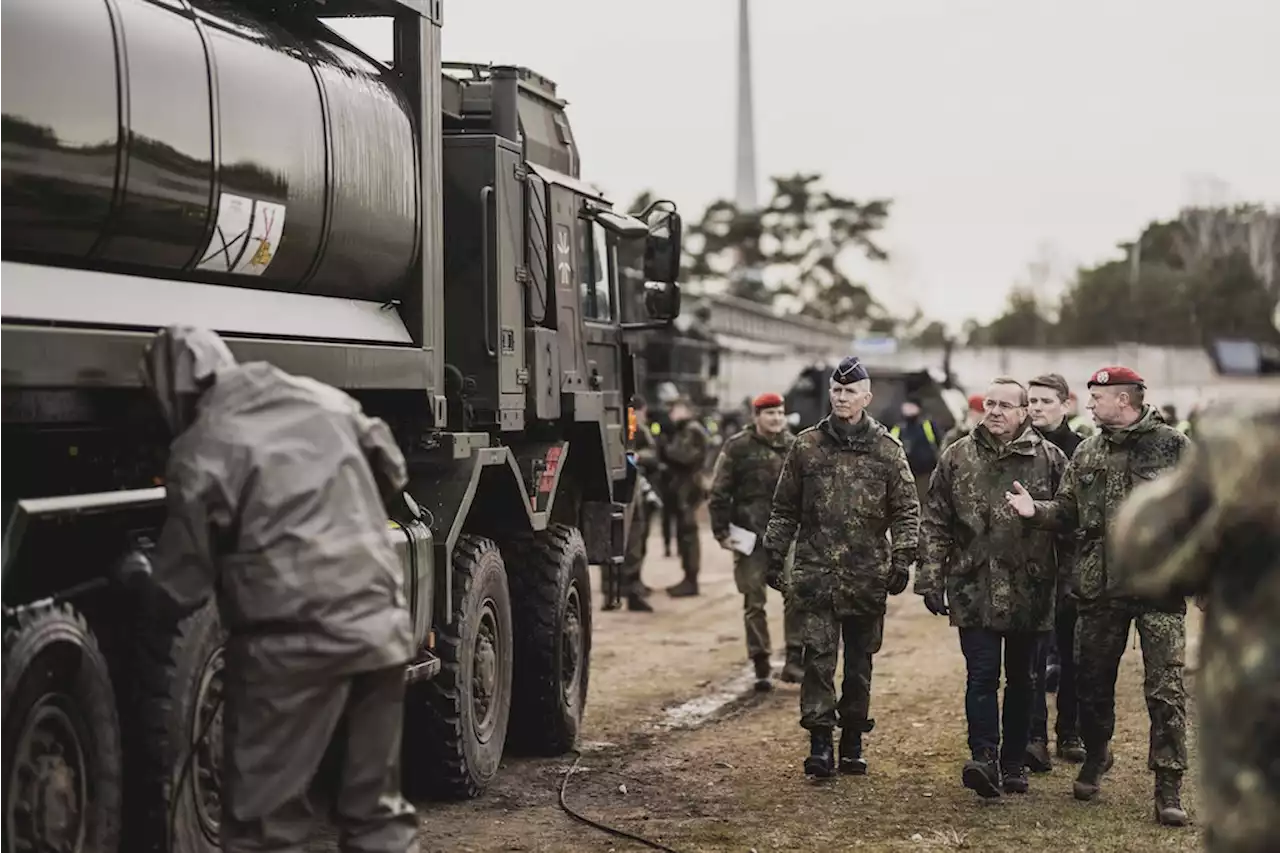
(416, 234)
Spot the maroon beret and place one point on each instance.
(767, 400)
(1116, 375)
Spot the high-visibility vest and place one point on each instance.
(1081, 425)
(1183, 427)
(928, 432)
(655, 428)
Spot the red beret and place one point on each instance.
(1116, 375)
(767, 400)
(976, 401)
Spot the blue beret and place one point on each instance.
(848, 371)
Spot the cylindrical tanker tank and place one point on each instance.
(193, 141)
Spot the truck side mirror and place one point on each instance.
(662, 247)
(662, 300)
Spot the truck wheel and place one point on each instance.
(177, 672)
(62, 771)
(551, 603)
(456, 724)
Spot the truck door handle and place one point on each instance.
(486, 194)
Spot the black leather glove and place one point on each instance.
(936, 601)
(899, 576)
(775, 576)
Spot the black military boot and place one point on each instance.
(822, 760)
(851, 761)
(982, 774)
(1014, 779)
(793, 671)
(1096, 764)
(637, 604)
(1038, 757)
(684, 589)
(1169, 811)
(763, 670)
(1071, 748)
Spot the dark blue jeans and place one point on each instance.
(982, 654)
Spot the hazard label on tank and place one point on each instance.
(246, 236)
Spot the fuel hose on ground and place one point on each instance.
(620, 833)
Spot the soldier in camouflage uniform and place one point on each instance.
(1212, 529)
(741, 494)
(644, 503)
(844, 486)
(1131, 447)
(999, 579)
(685, 453)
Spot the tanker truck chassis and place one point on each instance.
(417, 234)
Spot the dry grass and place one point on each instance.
(736, 783)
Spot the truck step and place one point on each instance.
(422, 670)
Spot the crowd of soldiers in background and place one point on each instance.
(1045, 594)
(676, 449)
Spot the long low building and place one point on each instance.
(757, 350)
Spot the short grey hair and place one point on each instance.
(1009, 380)
(862, 386)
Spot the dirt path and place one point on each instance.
(733, 782)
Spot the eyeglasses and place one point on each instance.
(999, 405)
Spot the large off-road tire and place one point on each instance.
(456, 724)
(62, 773)
(176, 675)
(551, 603)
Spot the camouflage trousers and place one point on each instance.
(637, 547)
(1101, 634)
(820, 631)
(1238, 693)
(687, 543)
(748, 574)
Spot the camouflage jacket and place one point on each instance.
(685, 453)
(746, 474)
(1104, 470)
(953, 435)
(646, 449)
(1212, 528)
(998, 573)
(837, 498)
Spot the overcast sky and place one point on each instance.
(1003, 129)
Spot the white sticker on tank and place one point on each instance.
(230, 234)
(264, 238)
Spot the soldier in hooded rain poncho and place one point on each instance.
(994, 578)
(1132, 447)
(277, 489)
(847, 499)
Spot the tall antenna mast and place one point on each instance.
(745, 184)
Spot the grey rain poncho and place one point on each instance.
(277, 487)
